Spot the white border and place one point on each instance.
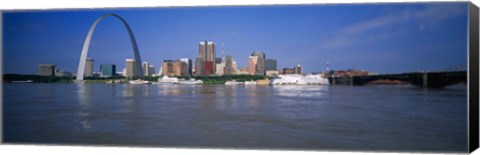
(55, 4)
(9, 5)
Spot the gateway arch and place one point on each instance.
(81, 65)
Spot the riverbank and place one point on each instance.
(8, 78)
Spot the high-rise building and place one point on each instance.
(230, 66)
(252, 64)
(88, 67)
(260, 64)
(180, 68)
(107, 70)
(167, 68)
(148, 69)
(145, 68)
(151, 70)
(189, 65)
(130, 65)
(199, 66)
(234, 67)
(220, 67)
(298, 69)
(218, 60)
(270, 65)
(174, 68)
(46, 70)
(206, 51)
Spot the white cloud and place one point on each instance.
(427, 17)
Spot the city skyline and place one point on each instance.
(382, 38)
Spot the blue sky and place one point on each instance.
(383, 38)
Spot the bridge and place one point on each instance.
(420, 79)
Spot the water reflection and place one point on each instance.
(133, 103)
(130, 90)
(84, 94)
(301, 91)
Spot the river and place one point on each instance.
(387, 118)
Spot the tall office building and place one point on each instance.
(151, 70)
(298, 69)
(252, 64)
(220, 67)
(218, 60)
(230, 66)
(107, 70)
(189, 65)
(174, 68)
(199, 66)
(88, 67)
(46, 70)
(260, 64)
(270, 65)
(145, 68)
(180, 68)
(130, 68)
(206, 51)
(148, 69)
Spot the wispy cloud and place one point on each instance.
(426, 17)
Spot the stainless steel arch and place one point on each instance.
(83, 56)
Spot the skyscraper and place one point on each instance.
(174, 68)
(46, 70)
(206, 51)
(199, 66)
(145, 68)
(151, 69)
(130, 68)
(220, 67)
(189, 65)
(270, 65)
(89, 67)
(298, 69)
(107, 70)
(252, 64)
(229, 66)
(260, 64)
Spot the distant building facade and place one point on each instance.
(189, 65)
(174, 68)
(130, 68)
(220, 67)
(298, 69)
(287, 71)
(151, 70)
(88, 67)
(272, 73)
(46, 70)
(62, 73)
(243, 71)
(107, 70)
(148, 69)
(252, 64)
(230, 66)
(270, 65)
(207, 62)
(256, 63)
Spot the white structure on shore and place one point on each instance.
(296, 79)
(167, 80)
(189, 82)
